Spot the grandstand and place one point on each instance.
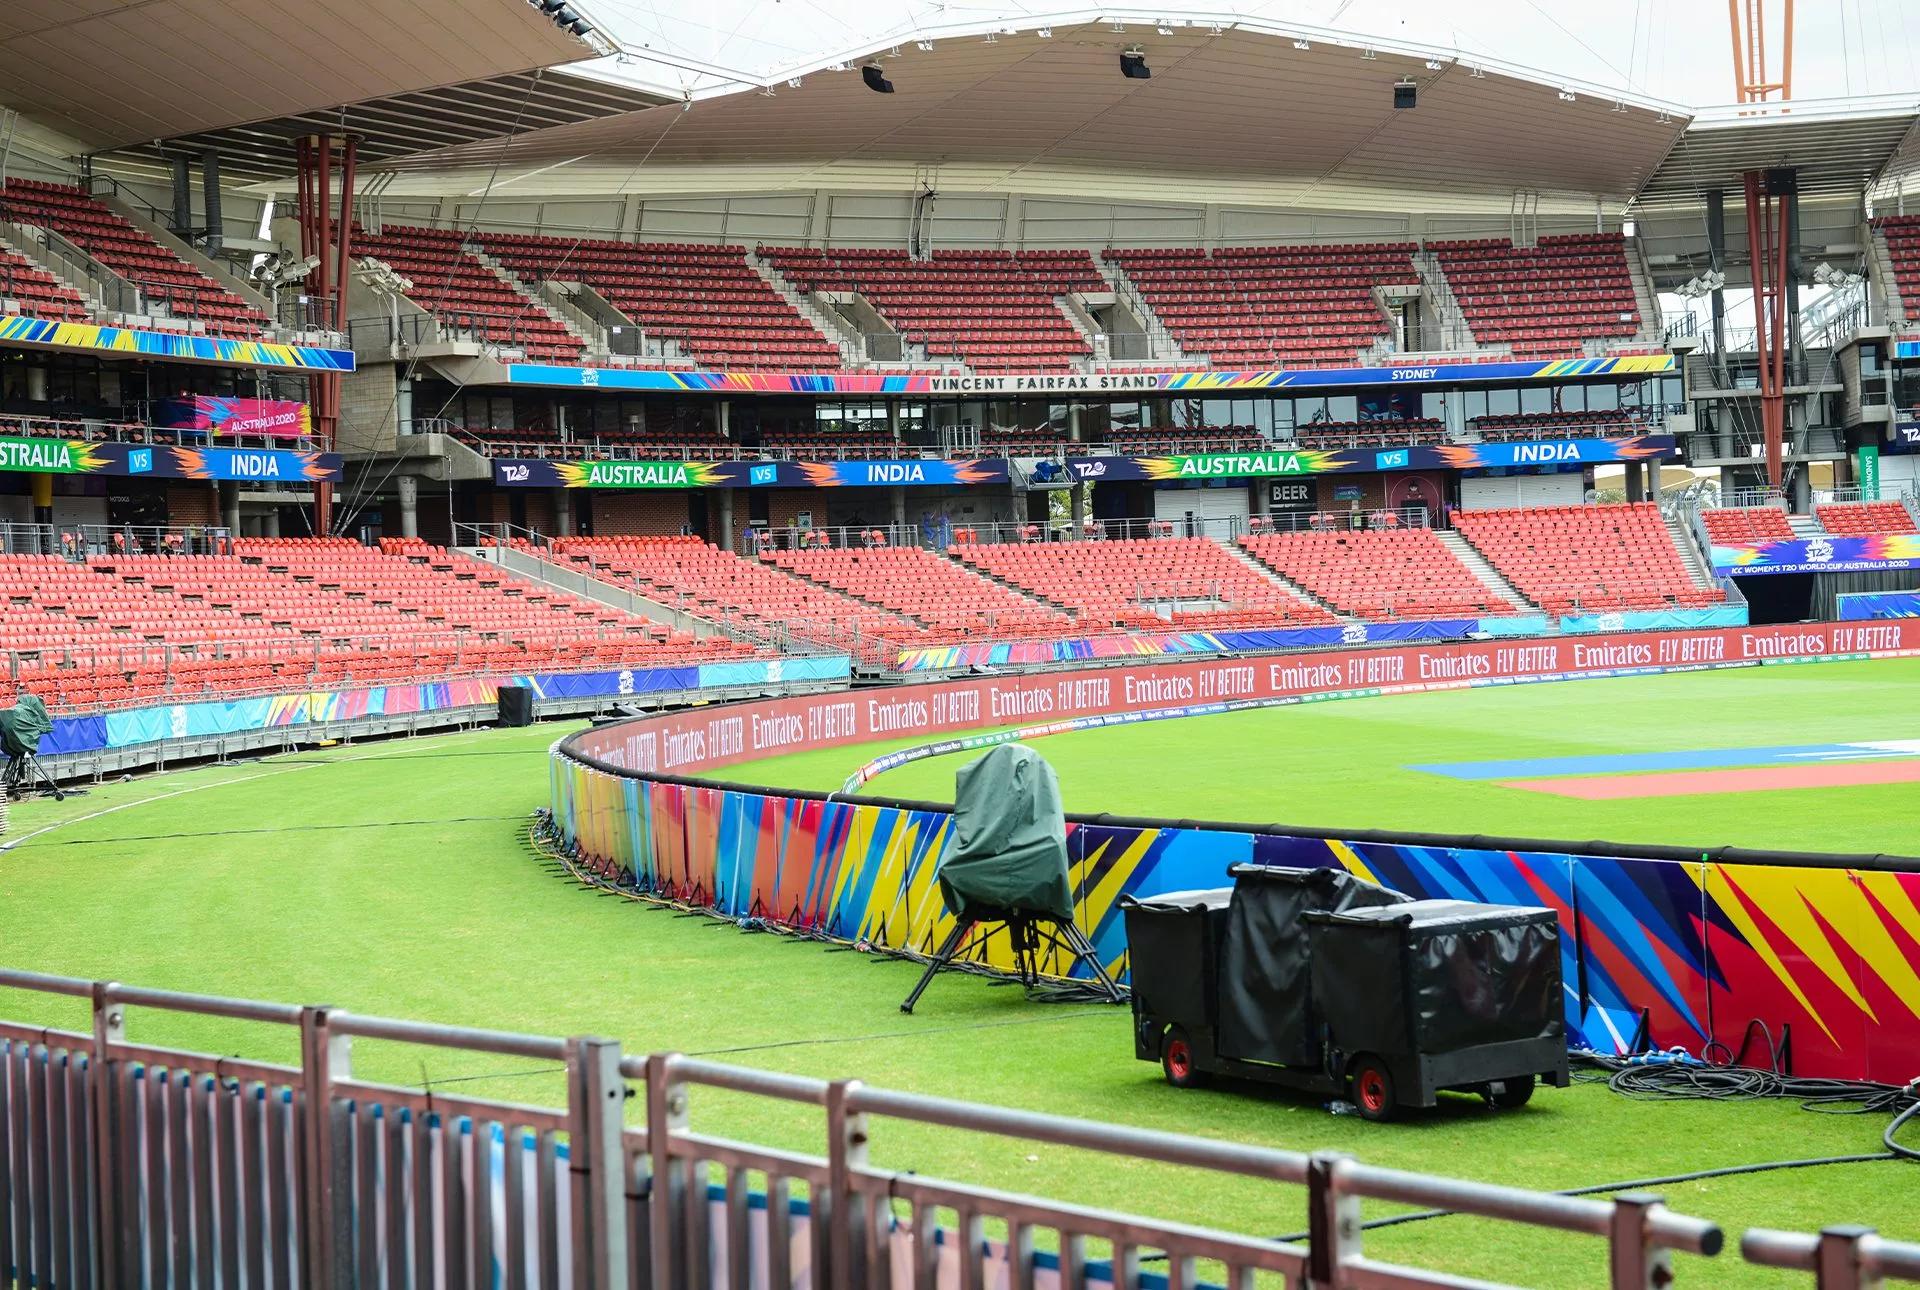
(1325, 428)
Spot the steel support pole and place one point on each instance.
(1766, 255)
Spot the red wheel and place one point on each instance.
(1373, 1089)
(1177, 1060)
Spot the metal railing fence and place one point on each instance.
(130, 1163)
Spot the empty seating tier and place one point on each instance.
(1747, 524)
(293, 614)
(1272, 306)
(1366, 434)
(31, 290)
(995, 311)
(466, 295)
(1503, 428)
(707, 300)
(1148, 584)
(163, 278)
(1545, 301)
(699, 578)
(931, 590)
(1902, 233)
(1852, 519)
(1405, 574)
(1572, 558)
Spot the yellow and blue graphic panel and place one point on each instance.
(173, 346)
(1826, 959)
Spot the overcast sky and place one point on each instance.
(1672, 49)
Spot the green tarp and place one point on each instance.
(24, 725)
(1011, 850)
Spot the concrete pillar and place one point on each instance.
(1260, 497)
(898, 496)
(893, 419)
(403, 406)
(271, 526)
(36, 384)
(1636, 490)
(409, 487)
(1077, 503)
(230, 507)
(562, 512)
(1802, 492)
(1073, 422)
(725, 496)
(726, 419)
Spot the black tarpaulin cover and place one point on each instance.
(1266, 1011)
(1430, 976)
(24, 725)
(1010, 849)
(1172, 949)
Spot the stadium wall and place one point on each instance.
(146, 735)
(1824, 949)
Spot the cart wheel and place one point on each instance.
(1177, 1060)
(1514, 1093)
(1373, 1089)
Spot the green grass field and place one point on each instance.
(394, 878)
(1344, 764)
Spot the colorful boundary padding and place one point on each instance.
(1862, 606)
(1826, 949)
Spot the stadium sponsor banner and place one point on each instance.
(1865, 554)
(1624, 367)
(1341, 461)
(1148, 644)
(173, 346)
(1643, 620)
(700, 740)
(1762, 944)
(273, 418)
(131, 727)
(1863, 606)
(618, 475)
(158, 461)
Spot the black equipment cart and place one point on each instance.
(1327, 983)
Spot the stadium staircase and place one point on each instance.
(832, 330)
(525, 558)
(1446, 307)
(1274, 575)
(221, 275)
(1691, 555)
(1645, 299)
(1805, 527)
(592, 337)
(1483, 569)
(1159, 340)
(34, 282)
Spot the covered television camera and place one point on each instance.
(22, 727)
(1007, 872)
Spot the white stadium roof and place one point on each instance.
(1041, 104)
(459, 94)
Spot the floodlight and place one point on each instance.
(876, 79)
(1303, 44)
(1133, 65)
(924, 46)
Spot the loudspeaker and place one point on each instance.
(516, 705)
